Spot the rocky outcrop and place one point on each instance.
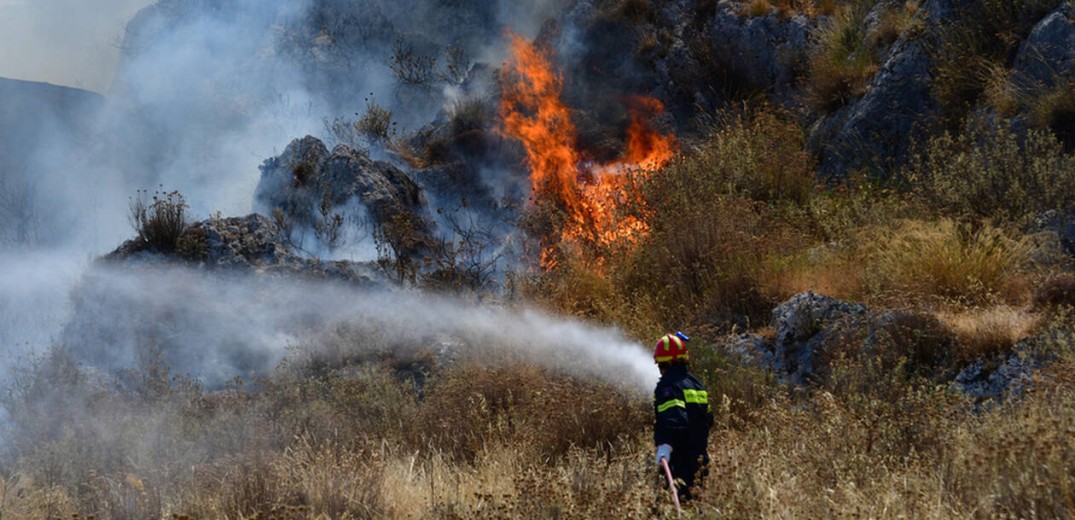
(252, 244)
(307, 185)
(766, 52)
(1047, 57)
(803, 325)
(875, 131)
(810, 330)
(993, 381)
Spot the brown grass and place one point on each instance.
(946, 260)
(1058, 290)
(842, 66)
(510, 440)
(982, 332)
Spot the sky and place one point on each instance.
(65, 42)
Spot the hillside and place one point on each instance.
(407, 259)
(32, 113)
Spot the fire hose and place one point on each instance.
(671, 484)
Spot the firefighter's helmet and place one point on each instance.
(671, 347)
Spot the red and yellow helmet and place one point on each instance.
(671, 347)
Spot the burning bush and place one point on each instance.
(579, 199)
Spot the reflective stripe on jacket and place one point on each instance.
(682, 412)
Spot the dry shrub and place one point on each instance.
(160, 222)
(948, 260)
(842, 66)
(963, 65)
(1019, 459)
(475, 406)
(1055, 110)
(702, 259)
(333, 480)
(989, 172)
(713, 219)
(828, 456)
(736, 393)
(984, 332)
(896, 21)
(1056, 291)
(918, 339)
(757, 155)
(634, 12)
(983, 36)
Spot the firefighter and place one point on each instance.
(682, 415)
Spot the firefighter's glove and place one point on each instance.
(664, 451)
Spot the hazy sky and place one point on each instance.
(66, 42)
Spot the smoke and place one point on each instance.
(204, 91)
(65, 42)
(215, 326)
(34, 304)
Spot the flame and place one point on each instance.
(533, 114)
(646, 148)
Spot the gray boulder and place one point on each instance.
(749, 350)
(876, 130)
(803, 325)
(993, 381)
(767, 52)
(1047, 57)
(307, 184)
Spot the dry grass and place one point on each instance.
(759, 8)
(842, 66)
(946, 260)
(514, 441)
(982, 332)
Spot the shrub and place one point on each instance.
(411, 67)
(946, 259)
(988, 172)
(759, 156)
(1058, 290)
(469, 113)
(376, 123)
(634, 12)
(713, 219)
(160, 222)
(842, 65)
(1055, 110)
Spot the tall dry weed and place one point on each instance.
(947, 260)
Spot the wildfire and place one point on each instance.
(533, 113)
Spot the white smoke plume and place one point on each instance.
(204, 92)
(215, 326)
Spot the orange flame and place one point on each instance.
(533, 114)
